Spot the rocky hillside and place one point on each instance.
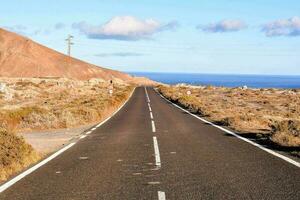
(22, 57)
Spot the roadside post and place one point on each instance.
(111, 88)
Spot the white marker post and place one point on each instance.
(111, 88)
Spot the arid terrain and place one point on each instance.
(48, 98)
(31, 104)
(271, 115)
(22, 57)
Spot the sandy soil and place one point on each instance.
(269, 114)
(48, 113)
(45, 142)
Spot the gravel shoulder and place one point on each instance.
(46, 142)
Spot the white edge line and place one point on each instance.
(151, 115)
(161, 195)
(153, 126)
(83, 136)
(101, 123)
(156, 152)
(287, 159)
(46, 160)
(30, 170)
(150, 109)
(89, 132)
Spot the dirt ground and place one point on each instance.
(40, 115)
(46, 142)
(273, 115)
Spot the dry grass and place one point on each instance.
(51, 104)
(15, 154)
(287, 132)
(270, 113)
(44, 104)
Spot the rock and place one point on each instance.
(2, 87)
(95, 81)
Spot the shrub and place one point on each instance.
(286, 133)
(15, 154)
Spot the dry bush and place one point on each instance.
(49, 105)
(286, 133)
(58, 107)
(13, 120)
(251, 111)
(15, 154)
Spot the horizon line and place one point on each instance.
(208, 73)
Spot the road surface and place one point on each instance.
(153, 150)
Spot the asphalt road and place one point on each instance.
(153, 150)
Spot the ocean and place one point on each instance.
(252, 81)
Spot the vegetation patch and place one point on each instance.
(271, 115)
(286, 133)
(47, 104)
(15, 154)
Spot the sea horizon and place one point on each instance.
(224, 80)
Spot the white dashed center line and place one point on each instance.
(287, 159)
(54, 155)
(161, 195)
(153, 126)
(156, 153)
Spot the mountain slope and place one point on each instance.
(22, 57)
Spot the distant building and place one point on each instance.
(245, 87)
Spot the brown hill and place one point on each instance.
(22, 57)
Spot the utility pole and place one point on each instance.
(69, 43)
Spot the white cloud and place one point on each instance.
(173, 25)
(224, 26)
(124, 28)
(59, 26)
(283, 27)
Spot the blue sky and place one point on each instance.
(221, 36)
